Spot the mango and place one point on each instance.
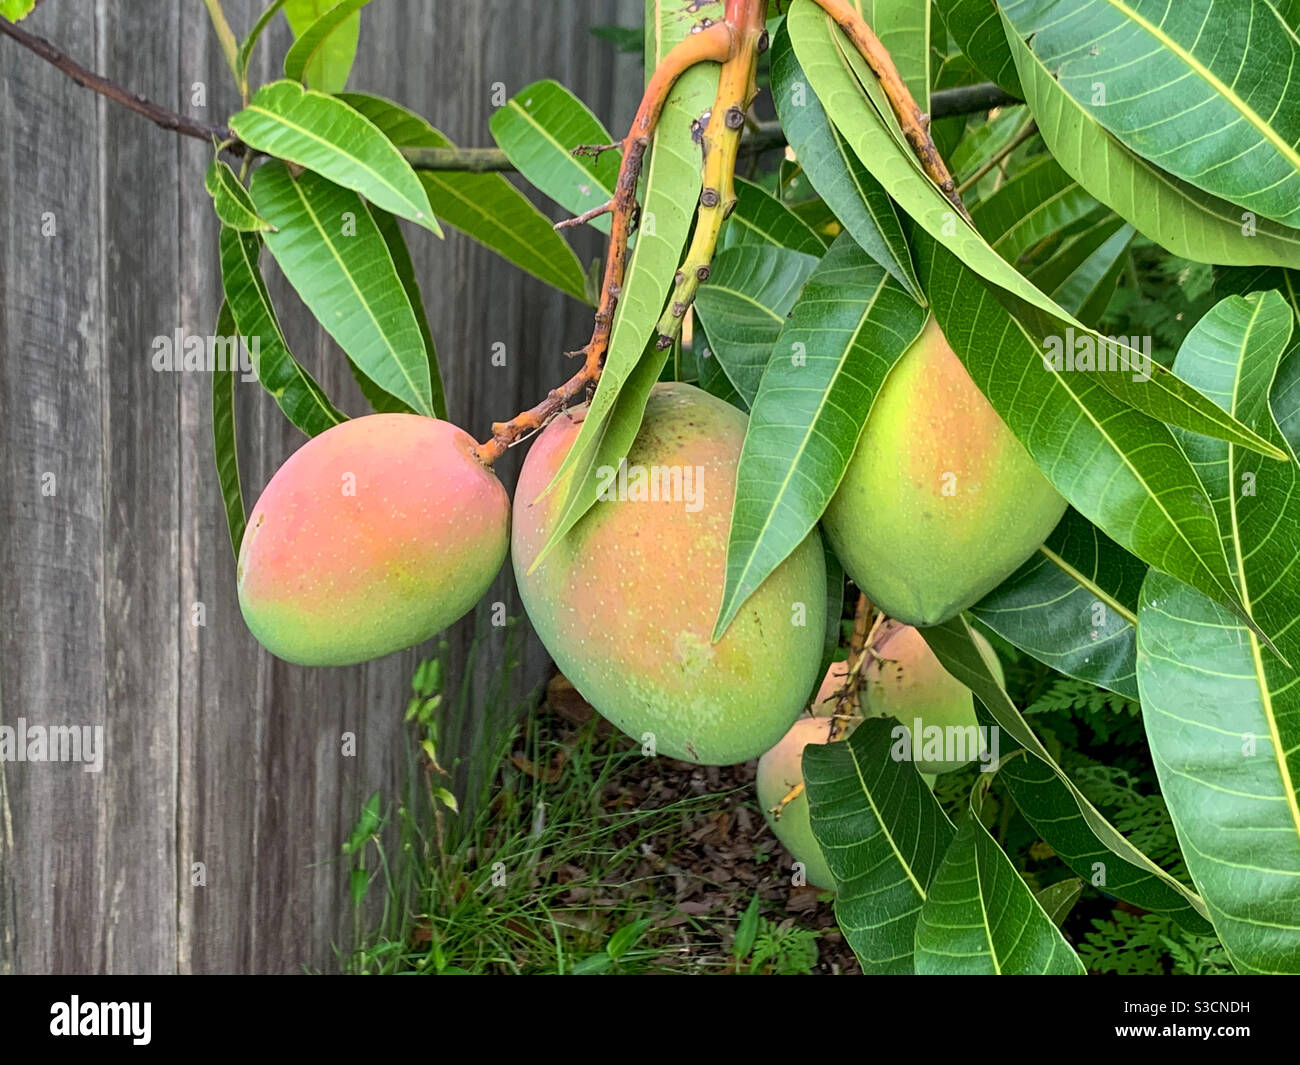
(823, 705)
(625, 603)
(372, 537)
(903, 679)
(940, 502)
(779, 771)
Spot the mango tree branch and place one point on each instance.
(711, 43)
(969, 99)
(915, 123)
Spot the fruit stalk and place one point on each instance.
(720, 143)
(714, 43)
(914, 121)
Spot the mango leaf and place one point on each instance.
(981, 919)
(391, 231)
(834, 614)
(975, 26)
(1208, 91)
(293, 388)
(485, 207)
(859, 202)
(1176, 215)
(883, 836)
(224, 449)
(903, 27)
(328, 137)
(322, 55)
(1034, 205)
(538, 128)
(230, 200)
(1057, 900)
(949, 70)
(1222, 712)
(672, 186)
(850, 325)
(1081, 270)
(1244, 280)
(16, 10)
(1121, 469)
(1052, 804)
(763, 219)
(246, 46)
(1073, 605)
(331, 29)
(744, 304)
(711, 376)
(328, 246)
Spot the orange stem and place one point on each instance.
(915, 123)
(714, 43)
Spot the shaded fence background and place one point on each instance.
(216, 753)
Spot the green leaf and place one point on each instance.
(882, 834)
(859, 202)
(224, 448)
(1208, 91)
(323, 54)
(230, 200)
(328, 137)
(763, 219)
(852, 322)
(1121, 469)
(392, 233)
(1051, 802)
(246, 46)
(975, 26)
(538, 128)
(367, 825)
(1073, 605)
(1176, 215)
(485, 207)
(16, 10)
(1222, 712)
(981, 918)
(331, 30)
(328, 246)
(293, 388)
(1081, 269)
(744, 304)
(627, 937)
(1057, 900)
(834, 614)
(1037, 203)
(672, 186)
(746, 930)
(903, 27)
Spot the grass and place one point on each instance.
(551, 867)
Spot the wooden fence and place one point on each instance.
(112, 540)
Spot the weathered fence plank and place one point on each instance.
(216, 753)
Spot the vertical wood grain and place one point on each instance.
(217, 753)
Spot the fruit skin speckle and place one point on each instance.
(372, 537)
(625, 604)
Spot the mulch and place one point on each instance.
(707, 872)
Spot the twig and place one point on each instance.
(998, 157)
(720, 141)
(160, 116)
(713, 43)
(915, 123)
(848, 701)
(944, 104)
